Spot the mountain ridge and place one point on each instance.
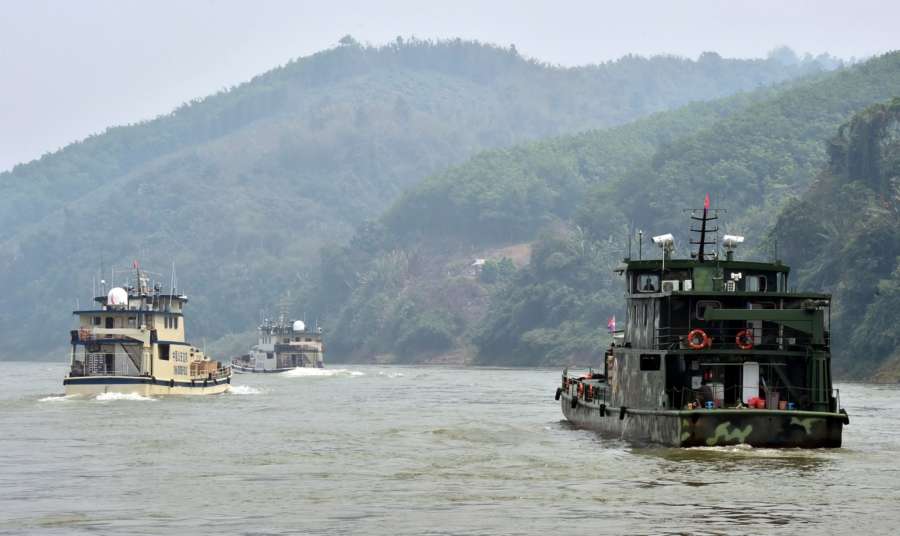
(242, 188)
(754, 161)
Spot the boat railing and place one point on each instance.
(716, 396)
(117, 363)
(713, 396)
(218, 374)
(738, 338)
(87, 335)
(587, 389)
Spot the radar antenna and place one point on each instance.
(705, 216)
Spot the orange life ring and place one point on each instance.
(744, 340)
(697, 339)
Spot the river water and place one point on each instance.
(393, 450)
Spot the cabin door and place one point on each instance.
(750, 381)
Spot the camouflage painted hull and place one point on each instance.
(706, 428)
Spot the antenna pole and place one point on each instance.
(701, 255)
(630, 232)
(704, 229)
(640, 244)
(173, 286)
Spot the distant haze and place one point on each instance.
(71, 69)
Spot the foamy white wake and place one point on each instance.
(391, 374)
(743, 447)
(107, 397)
(243, 390)
(320, 373)
(751, 451)
(58, 398)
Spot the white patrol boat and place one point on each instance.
(133, 342)
(283, 345)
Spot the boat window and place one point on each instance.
(164, 352)
(109, 322)
(755, 283)
(132, 321)
(648, 283)
(650, 361)
(96, 320)
(176, 321)
(703, 305)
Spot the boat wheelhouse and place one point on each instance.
(133, 341)
(283, 345)
(715, 351)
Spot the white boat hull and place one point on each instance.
(240, 369)
(141, 385)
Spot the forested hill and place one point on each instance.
(241, 188)
(843, 236)
(571, 202)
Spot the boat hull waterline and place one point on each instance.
(709, 428)
(240, 369)
(96, 385)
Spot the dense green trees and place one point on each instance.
(553, 310)
(842, 236)
(242, 188)
(585, 193)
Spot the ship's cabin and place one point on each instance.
(716, 332)
(136, 331)
(286, 344)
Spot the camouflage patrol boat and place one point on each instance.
(714, 352)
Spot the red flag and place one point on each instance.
(706, 202)
(611, 323)
(134, 264)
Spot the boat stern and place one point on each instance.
(760, 428)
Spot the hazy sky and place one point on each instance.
(72, 68)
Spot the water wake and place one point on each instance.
(108, 397)
(320, 373)
(58, 398)
(744, 450)
(243, 390)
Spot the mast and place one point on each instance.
(705, 216)
(137, 277)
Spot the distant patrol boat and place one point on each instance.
(714, 352)
(283, 345)
(133, 342)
